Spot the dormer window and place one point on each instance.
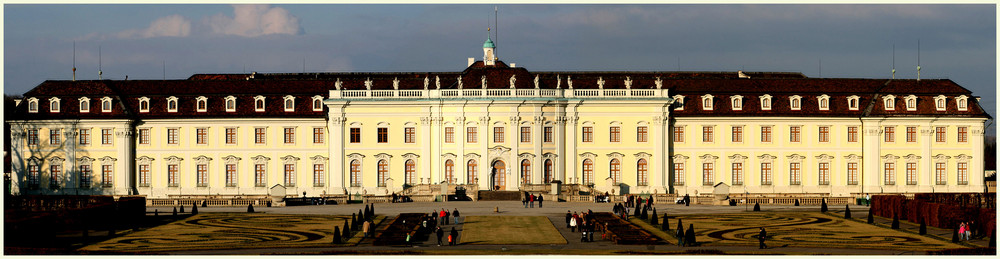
(33, 105)
(53, 104)
(106, 104)
(706, 102)
(796, 102)
(230, 103)
(911, 102)
(890, 102)
(317, 103)
(939, 103)
(824, 102)
(765, 102)
(201, 104)
(172, 104)
(84, 104)
(258, 103)
(289, 103)
(963, 102)
(852, 102)
(143, 104)
(679, 102)
(737, 102)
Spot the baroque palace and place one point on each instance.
(496, 126)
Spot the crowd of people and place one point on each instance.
(583, 222)
(530, 199)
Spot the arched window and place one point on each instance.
(525, 171)
(289, 104)
(144, 105)
(824, 103)
(449, 171)
(106, 105)
(172, 105)
(410, 171)
(202, 105)
(548, 170)
(32, 106)
(317, 105)
(616, 170)
(641, 175)
(355, 173)
(471, 167)
(230, 104)
(383, 172)
(260, 105)
(940, 103)
(911, 103)
(54, 105)
(795, 103)
(854, 103)
(588, 171)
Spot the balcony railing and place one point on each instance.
(480, 93)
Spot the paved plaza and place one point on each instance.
(719, 230)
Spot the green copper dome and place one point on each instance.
(489, 43)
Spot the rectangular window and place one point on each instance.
(105, 137)
(172, 175)
(410, 135)
(588, 134)
(32, 137)
(890, 134)
(963, 173)
(911, 173)
(852, 173)
(107, 176)
(940, 175)
(201, 136)
(318, 171)
(678, 134)
(824, 173)
(525, 134)
(318, 137)
(737, 134)
(678, 174)
(202, 175)
(824, 134)
(383, 135)
(33, 176)
(793, 133)
(260, 175)
(963, 134)
(355, 135)
(890, 173)
(449, 135)
(85, 175)
(497, 134)
(707, 174)
(143, 175)
(84, 137)
(852, 134)
(765, 173)
(54, 138)
(737, 173)
(547, 135)
(939, 134)
(765, 134)
(289, 135)
(172, 136)
(615, 135)
(260, 135)
(143, 136)
(231, 136)
(641, 134)
(794, 173)
(470, 134)
(290, 175)
(707, 134)
(231, 175)
(911, 134)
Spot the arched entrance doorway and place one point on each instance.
(497, 176)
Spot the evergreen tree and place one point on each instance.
(336, 235)
(822, 207)
(194, 209)
(346, 228)
(354, 219)
(680, 225)
(666, 223)
(847, 213)
(689, 236)
(346, 235)
(175, 211)
(756, 206)
(871, 215)
(895, 221)
(204, 204)
(250, 208)
(796, 202)
(645, 214)
(954, 235)
(653, 220)
(182, 208)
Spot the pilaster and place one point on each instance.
(537, 166)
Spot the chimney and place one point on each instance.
(471, 60)
(513, 64)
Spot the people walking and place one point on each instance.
(573, 223)
(525, 200)
(568, 217)
(455, 214)
(761, 237)
(961, 232)
(366, 227)
(444, 216)
(540, 200)
(531, 202)
(440, 234)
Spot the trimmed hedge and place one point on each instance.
(941, 215)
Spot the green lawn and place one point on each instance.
(510, 230)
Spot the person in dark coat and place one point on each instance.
(680, 236)
(525, 200)
(440, 234)
(687, 200)
(761, 237)
(453, 236)
(455, 213)
(568, 217)
(540, 200)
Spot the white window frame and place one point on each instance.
(54, 108)
(32, 105)
(84, 104)
(889, 102)
(320, 107)
(795, 102)
(707, 102)
(230, 99)
(106, 100)
(175, 102)
(197, 104)
(144, 100)
(962, 102)
(679, 100)
(856, 104)
(911, 106)
(259, 98)
(941, 103)
(765, 102)
(823, 102)
(285, 103)
(737, 102)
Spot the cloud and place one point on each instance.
(169, 26)
(253, 21)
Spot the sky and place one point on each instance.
(147, 41)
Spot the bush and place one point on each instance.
(822, 207)
(756, 206)
(194, 209)
(796, 202)
(666, 224)
(653, 220)
(923, 227)
(336, 235)
(250, 208)
(871, 215)
(954, 235)
(847, 213)
(895, 222)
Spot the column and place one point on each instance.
(125, 145)
(484, 160)
(460, 163)
(872, 139)
(513, 177)
(72, 168)
(559, 138)
(335, 125)
(571, 140)
(925, 168)
(425, 150)
(976, 171)
(658, 161)
(537, 166)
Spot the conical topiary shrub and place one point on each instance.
(796, 202)
(689, 238)
(175, 211)
(871, 215)
(756, 206)
(204, 204)
(645, 214)
(993, 239)
(653, 220)
(822, 207)
(354, 220)
(373, 210)
(336, 235)
(182, 208)
(680, 225)
(666, 223)
(923, 227)
(346, 235)
(895, 221)
(346, 228)
(847, 213)
(636, 213)
(954, 235)
(360, 216)
(194, 209)
(250, 208)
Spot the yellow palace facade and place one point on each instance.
(495, 126)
